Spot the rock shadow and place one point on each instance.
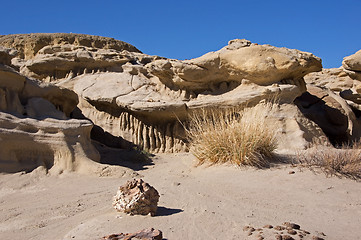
(164, 211)
(327, 114)
(131, 158)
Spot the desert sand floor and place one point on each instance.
(196, 202)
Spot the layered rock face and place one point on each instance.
(34, 126)
(134, 98)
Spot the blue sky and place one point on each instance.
(187, 29)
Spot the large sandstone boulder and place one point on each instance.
(353, 62)
(260, 64)
(352, 65)
(146, 100)
(136, 197)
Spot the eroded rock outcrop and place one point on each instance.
(260, 64)
(136, 197)
(6, 54)
(135, 98)
(29, 44)
(58, 145)
(330, 112)
(333, 101)
(34, 126)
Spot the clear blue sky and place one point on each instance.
(187, 29)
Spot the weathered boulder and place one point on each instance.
(145, 234)
(260, 64)
(136, 197)
(352, 65)
(353, 62)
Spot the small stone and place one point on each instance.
(292, 232)
(287, 237)
(279, 228)
(268, 226)
(291, 172)
(317, 238)
(292, 225)
(246, 228)
(278, 237)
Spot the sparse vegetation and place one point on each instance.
(344, 161)
(238, 137)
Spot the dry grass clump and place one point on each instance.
(238, 137)
(344, 161)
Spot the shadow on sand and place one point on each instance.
(163, 211)
(130, 158)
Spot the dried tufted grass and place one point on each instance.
(238, 137)
(344, 161)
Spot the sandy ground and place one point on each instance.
(196, 202)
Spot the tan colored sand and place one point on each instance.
(196, 203)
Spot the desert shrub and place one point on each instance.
(343, 161)
(230, 136)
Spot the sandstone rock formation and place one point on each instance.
(134, 98)
(331, 113)
(58, 145)
(136, 197)
(260, 64)
(352, 65)
(145, 234)
(29, 44)
(34, 126)
(333, 100)
(6, 54)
